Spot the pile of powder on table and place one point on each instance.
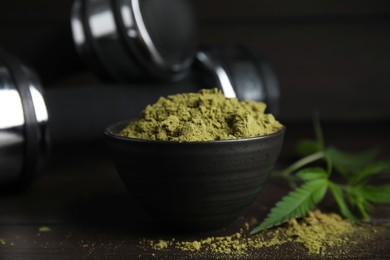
(319, 233)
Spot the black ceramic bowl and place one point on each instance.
(194, 185)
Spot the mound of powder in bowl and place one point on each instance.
(204, 116)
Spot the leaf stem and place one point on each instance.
(302, 162)
(318, 130)
(329, 164)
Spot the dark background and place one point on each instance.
(331, 56)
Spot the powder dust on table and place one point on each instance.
(318, 233)
(203, 116)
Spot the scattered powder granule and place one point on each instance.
(44, 229)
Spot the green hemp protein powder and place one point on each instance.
(204, 116)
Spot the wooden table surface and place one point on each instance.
(80, 197)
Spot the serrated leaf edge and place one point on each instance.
(306, 192)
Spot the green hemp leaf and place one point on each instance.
(355, 192)
(296, 204)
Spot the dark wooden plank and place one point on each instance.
(250, 10)
(22, 13)
(341, 70)
(19, 11)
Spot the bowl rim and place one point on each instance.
(108, 132)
